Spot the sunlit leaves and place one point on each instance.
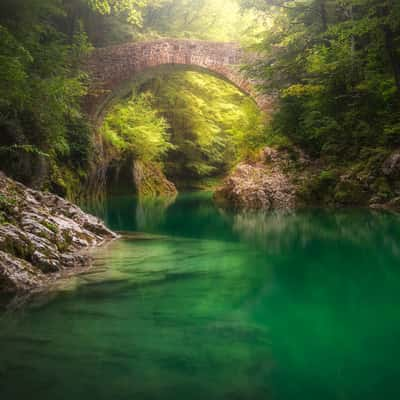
(131, 9)
(219, 20)
(336, 66)
(136, 128)
(213, 123)
(41, 86)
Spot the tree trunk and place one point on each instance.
(324, 16)
(389, 37)
(393, 55)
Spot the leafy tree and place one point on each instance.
(130, 9)
(203, 19)
(335, 65)
(134, 128)
(196, 125)
(213, 124)
(41, 85)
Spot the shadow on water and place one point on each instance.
(214, 305)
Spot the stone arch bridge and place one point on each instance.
(112, 70)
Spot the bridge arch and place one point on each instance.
(114, 68)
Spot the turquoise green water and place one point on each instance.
(210, 305)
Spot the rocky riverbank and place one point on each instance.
(259, 185)
(284, 180)
(42, 236)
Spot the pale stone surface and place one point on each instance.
(17, 274)
(42, 235)
(261, 185)
(391, 166)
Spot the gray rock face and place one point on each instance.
(391, 167)
(41, 235)
(258, 186)
(18, 275)
(28, 167)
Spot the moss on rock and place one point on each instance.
(43, 235)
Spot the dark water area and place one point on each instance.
(206, 304)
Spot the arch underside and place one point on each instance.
(117, 69)
(111, 96)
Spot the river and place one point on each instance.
(198, 303)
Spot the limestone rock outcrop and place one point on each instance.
(260, 185)
(391, 166)
(41, 235)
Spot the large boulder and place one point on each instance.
(261, 185)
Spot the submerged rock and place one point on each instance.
(261, 185)
(41, 235)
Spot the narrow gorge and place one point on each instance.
(199, 199)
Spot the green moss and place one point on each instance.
(382, 188)
(64, 244)
(277, 140)
(18, 248)
(318, 189)
(50, 226)
(7, 204)
(350, 192)
(66, 182)
(327, 178)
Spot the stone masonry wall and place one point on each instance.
(110, 67)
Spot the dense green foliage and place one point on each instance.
(133, 128)
(43, 129)
(132, 20)
(333, 64)
(40, 85)
(130, 9)
(336, 67)
(211, 125)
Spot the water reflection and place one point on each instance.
(277, 232)
(214, 305)
(194, 215)
(150, 212)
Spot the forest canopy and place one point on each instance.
(333, 67)
(336, 67)
(42, 45)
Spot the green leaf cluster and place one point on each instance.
(133, 127)
(130, 9)
(213, 124)
(41, 84)
(197, 125)
(336, 67)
